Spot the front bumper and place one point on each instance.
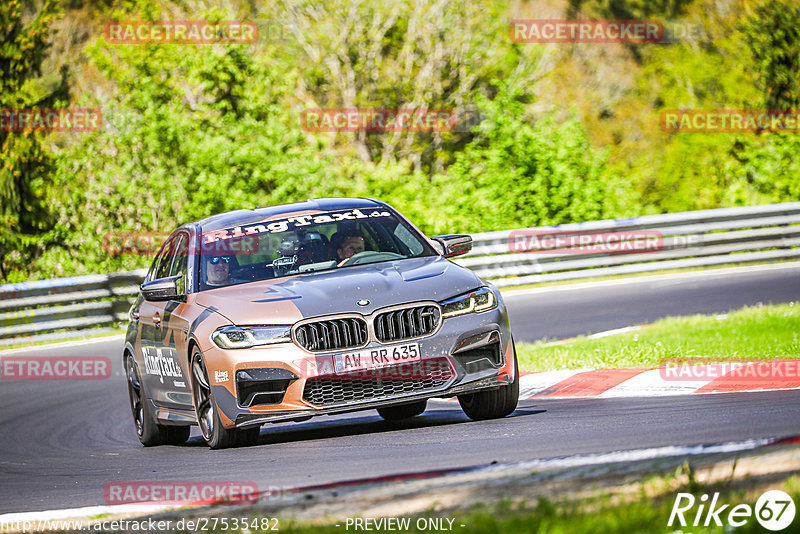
(465, 342)
(475, 384)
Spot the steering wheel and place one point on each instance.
(368, 256)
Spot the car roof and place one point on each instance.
(257, 215)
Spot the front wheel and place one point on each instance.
(495, 403)
(216, 435)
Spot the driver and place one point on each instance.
(218, 270)
(351, 245)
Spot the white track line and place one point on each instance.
(651, 384)
(636, 455)
(616, 331)
(533, 384)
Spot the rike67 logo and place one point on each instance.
(774, 510)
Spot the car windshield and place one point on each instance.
(305, 243)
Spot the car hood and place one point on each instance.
(289, 299)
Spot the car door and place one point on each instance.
(174, 331)
(161, 368)
(144, 313)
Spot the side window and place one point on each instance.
(166, 260)
(151, 274)
(413, 245)
(181, 252)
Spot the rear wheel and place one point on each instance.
(404, 411)
(216, 435)
(147, 429)
(495, 403)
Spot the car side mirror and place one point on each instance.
(161, 289)
(454, 245)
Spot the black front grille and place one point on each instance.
(406, 323)
(408, 378)
(332, 334)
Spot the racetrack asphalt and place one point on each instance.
(561, 312)
(62, 442)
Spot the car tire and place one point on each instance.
(216, 435)
(403, 411)
(150, 433)
(494, 403)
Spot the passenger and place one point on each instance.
(218, 270)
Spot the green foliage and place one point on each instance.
(773, 36)
(190, 132)
(194, 130)
(424, 55)
(711, 72)
(197, 130)
(534, 174)
(25, 163)
(628, 9)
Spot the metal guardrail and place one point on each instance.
(71, 307)
(65, 307)
(683, 240)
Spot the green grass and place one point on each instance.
(752, 333)
(601, 514)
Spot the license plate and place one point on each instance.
(376, 358)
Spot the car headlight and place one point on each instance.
(242, 337)
(475, 301)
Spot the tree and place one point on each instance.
(25, 162)
(772, 35)
(423, 54)
(518, 172)
(190, 131)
